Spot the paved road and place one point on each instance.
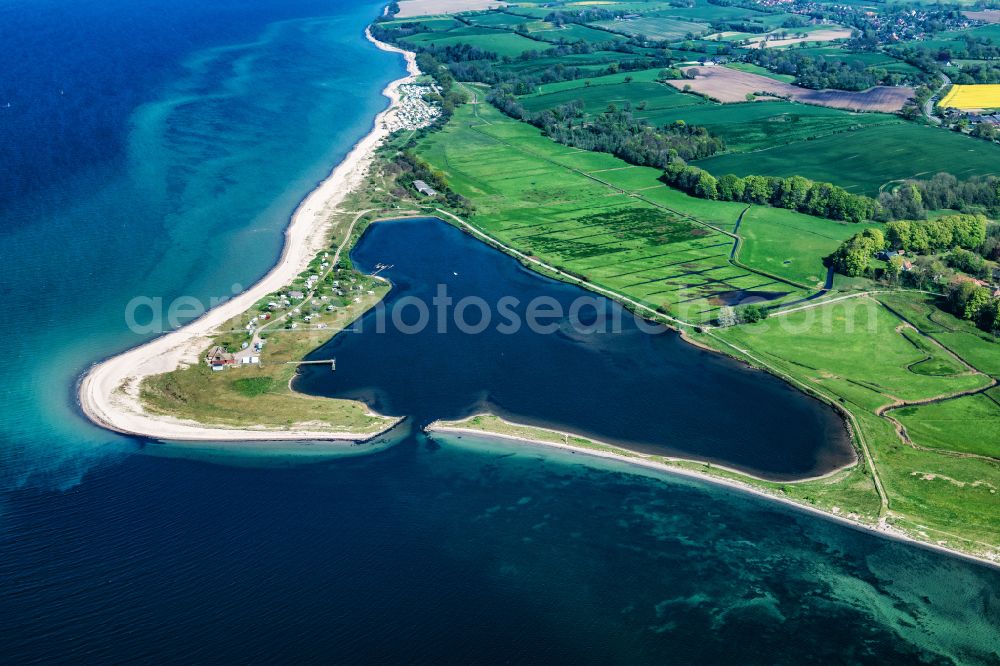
(929, 104)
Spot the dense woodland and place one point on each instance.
(819, 73)
(938, 255)
(914, 198)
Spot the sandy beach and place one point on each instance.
(109, 392)
(645, 461)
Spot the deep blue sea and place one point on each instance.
(156, 149)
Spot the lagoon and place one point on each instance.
(610, 378)
(141, 129)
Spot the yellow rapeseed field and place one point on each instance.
(984, 96)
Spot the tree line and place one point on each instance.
(912, 199)
(614, 131)
(819, 73)
(794, 193)
(471, 63)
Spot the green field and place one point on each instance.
(903, 150)
(597, 59)
(790, 244)
(530, 12)
(573, 32)
(855, 352)
(970, 424)
(655, 27)
(754, 126)
(977, 347)
(644, 76)
(496, 41)
(602, 91)
(497, 19)
(568, 208)
(865, 354)
(868, 58)
(701, 11)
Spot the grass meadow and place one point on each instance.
(790, 244)
(862, 355)
(658, 28)
(977, 348)
(501, 42)
(595, 216)
(612, 89)
(749, 126)
(904, 150)
(969, 424)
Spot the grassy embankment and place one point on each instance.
(847, 492)
(256, 396)
(615, 226)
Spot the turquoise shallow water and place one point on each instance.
(156, 149)
(188, 160)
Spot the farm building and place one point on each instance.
(424, 188)
(219, 357)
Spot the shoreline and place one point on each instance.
(646, 461)
(108, 393)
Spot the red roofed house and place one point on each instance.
(218, 356)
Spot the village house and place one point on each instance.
(219, 358)
(958, 279)
(424, 188)
(885, 255)
(297, 295)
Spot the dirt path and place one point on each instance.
(308, 296)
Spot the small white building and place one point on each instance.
(424, 188)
